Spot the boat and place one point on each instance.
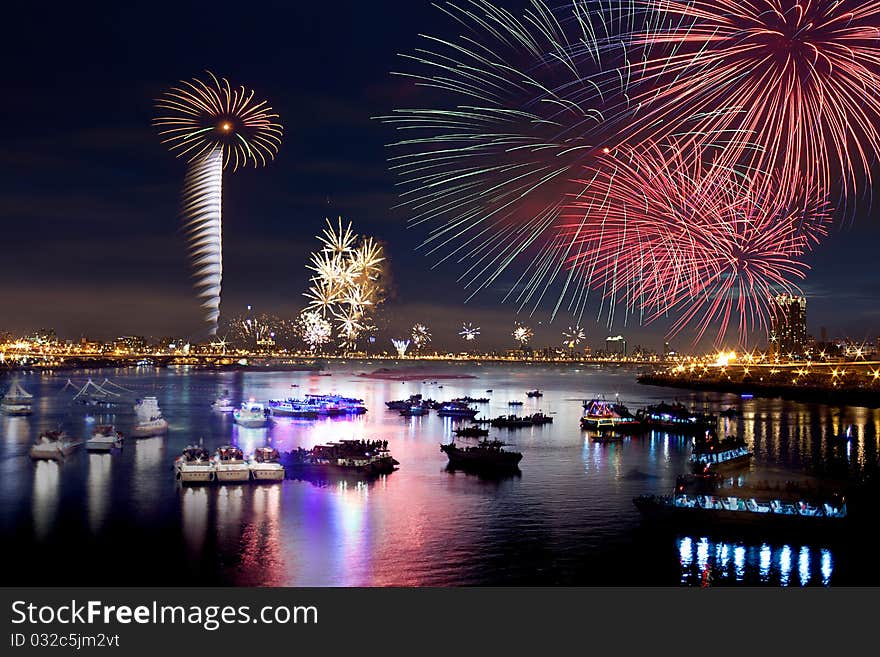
(223, 404)
(336, 405)
(541, 418)
(709, 454)
(489, 390)
(265, 465)
(401, 404)
(472, 400)
(195, 466)
(53, 445)
(251, 415)
(231, 465)
(787, 510)
(511, 421)
(535, 393)
(104, 438)
(514, 402)
(17, 401)
(415, 410)
(457, 409)
(675, 418)
(361, 457)
(486, 455)
(471, 432)
(293, 408)
(602, 414)
(149, 419)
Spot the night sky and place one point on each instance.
(91, 241)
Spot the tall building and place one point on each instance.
(788, 332)
(615, 345)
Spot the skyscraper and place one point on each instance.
(788, 333)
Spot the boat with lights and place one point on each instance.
(675, 418)
(17, 401)
(231, 465)
(53, 445)
(711, 454)
(602, 414)
(457, 409)
(195, 466)
(104, 438)
(251, 415)
(149, 419)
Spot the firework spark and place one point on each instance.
(400, 346)
(347, 284)
(261, 330)
(469, 332)
(522, 334)
(670, 234)
(519, 113)
(314, 330)
(785, 81)
(420, 336)
(573, 336)
(213, 126)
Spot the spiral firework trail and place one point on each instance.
(670, 234)
(788, 84)
(213, 126)
(513, 109)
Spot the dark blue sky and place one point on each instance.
(88, 195)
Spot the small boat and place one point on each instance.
(416, 410)
(223, 404)
(401, 404)
(149, 419)
(360, 457)
(53, 445)
(489, 390)
(486, 455)
(457, 409)
(195, 465)
(512, 421)
(535, 393)
(17, 401)
(104, 438)
(293, 408)
(251, 415)
(541, 418)
(710, 455)
(471, 432)
(231, 465)
(601, 414)
(265, 465)
(515, 402)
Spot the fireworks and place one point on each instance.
(420, 335)
(469, 332)
(672, 234)
(519, 114)
(255, 331)
(522, 334)
(400, 346)
(347, 284)
(213, 126)
(314, 330)
(573, 336)
(783, 82)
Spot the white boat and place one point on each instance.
(16, 401)
(231, 465)
(149, 419)
(53, 445)
(104, 438)
(252, 415)
(195, 466)
(223, 405)
(265, 465)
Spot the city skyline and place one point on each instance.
(89, 189)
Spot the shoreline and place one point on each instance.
(842, 396)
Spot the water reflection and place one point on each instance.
(751, 564)
(47, 477)
(98, 489)
(194, 517)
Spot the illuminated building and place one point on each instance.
(615, 345)
(788, 332)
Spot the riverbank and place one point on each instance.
(844, 395)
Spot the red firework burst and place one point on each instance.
(778, 84)
(666, 233)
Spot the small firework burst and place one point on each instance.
(522, 334)
(469, 332)
(314, 330)
(573, 336)
(420, 336)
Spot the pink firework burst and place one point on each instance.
(668, 234)
(776, 84)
